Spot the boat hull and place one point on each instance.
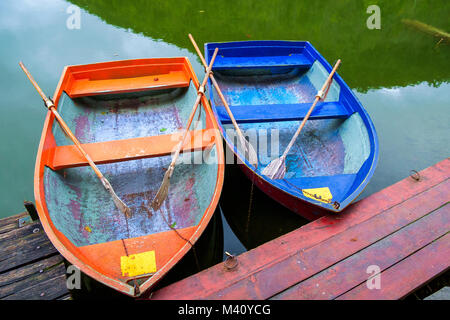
(115, 110)
(301, 207)
(269, 87)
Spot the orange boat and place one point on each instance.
(127, 116)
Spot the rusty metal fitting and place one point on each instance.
(415, 175)
(136, 288)
(231, 262)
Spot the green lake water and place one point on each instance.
(400, 74)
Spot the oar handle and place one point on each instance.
(199, 53)
(51, 106)
(47, 101)
(330, 76)
(201, 91)
(319, 95)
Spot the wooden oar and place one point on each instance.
(277, 168)
(51, 106)
(163, 191)
(252, 156)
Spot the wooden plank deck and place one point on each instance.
(403, 230)
(30, 267)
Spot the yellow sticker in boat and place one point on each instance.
(138, 264)
(319, 194)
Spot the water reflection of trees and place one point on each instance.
(393, 56)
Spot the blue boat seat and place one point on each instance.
(283, 112)
(293, 60)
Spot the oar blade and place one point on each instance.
(163, 191)
(275, 170)
(117, 201)
(120, 204)
(252, 156)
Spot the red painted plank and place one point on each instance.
(407, 275)
(385, 253)
(278, 276)
(387, 198)
(214, 279)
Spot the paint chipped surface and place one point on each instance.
(76, 198)
(318, 151)
(293, 87)
(325, 148)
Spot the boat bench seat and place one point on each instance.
(88, 87)
(283, 112)
(128, 149)
(294, 60)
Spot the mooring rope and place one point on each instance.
(162, 214)
(187, 240)
(250, 203)
(136, 285)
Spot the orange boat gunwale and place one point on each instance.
(73, 253)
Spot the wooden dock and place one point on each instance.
(398, 236)
(402, 230)
(30, 267)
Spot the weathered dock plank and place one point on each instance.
(11, 223)
(18, 280)
(30, 267)
(28, 271)
(50, 289)
(380, 224)
(24, 245)
(344, 275)
(409, 274)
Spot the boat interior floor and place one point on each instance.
(269, 105)
(132, 137)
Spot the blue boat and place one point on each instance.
(270, 86)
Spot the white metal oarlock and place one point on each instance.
(49, 103)
(320, 94)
